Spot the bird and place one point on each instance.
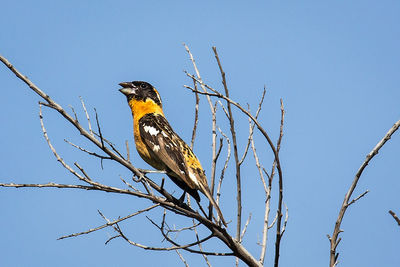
(159, 146)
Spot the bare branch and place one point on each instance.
(214, 150)
(286, 219)
(87, 116)
(346, 201)
(109, 223)
(99, 129)
(110, 144)
(83, 172)
(259, 127)
(252, 128)
(273, 222)
(72, 186)
(258, 165)
(198, 76)
(87, 151)
(357, 198)
(187, 246)
(128, 156)
(72, 109)
(245, 228)
(235, 149)
(117, 228)
(130, 186)
(59, 159)
(394, 217)
(196, 115)
(221, 178)
(267, 196)
(182, 259)
(279, 233)
(200, 244)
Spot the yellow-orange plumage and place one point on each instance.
(139, 109)
(160, 146)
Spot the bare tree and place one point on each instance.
(142, 185)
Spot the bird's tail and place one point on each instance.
(207, 192)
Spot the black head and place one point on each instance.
(140, 90)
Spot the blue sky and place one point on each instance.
(335, 64)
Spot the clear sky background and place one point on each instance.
(335, 64)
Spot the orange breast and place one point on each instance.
(139, 109)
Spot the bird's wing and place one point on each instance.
(164, 144)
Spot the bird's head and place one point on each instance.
(140, 91)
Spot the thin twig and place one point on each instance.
(397, 219)
(99, 129)
(214, 148)
(252, 127)
(200, 245)
(286, 218)
(73, 111)
(129, 185)
(187, 246)
(182, 258)
(221, 178)
(110, 144)
(117, 228)
(196, 116)
(59, 159)
(87, 115)
(357, 198)
(273, 222)
(198, 76)
(87, 151)
(215, 155)
(109, 223)
(245, 228)
(128, 156)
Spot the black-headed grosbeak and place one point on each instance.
(160, 146)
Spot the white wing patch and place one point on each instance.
(193, 178)
(164, 134)
(156, 148)
(151, 130)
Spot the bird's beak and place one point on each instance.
(128, 88)
(126, 84)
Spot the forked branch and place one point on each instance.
(334, 240)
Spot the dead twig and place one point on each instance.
(196, 116)
(221, 178)
(334, 240)
(397, 219)
(235, 149)
(87, 115)
(109, 223)
(87, 151)
(182, 258)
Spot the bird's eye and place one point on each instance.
(142, 85)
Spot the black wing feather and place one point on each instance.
(162, 143)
